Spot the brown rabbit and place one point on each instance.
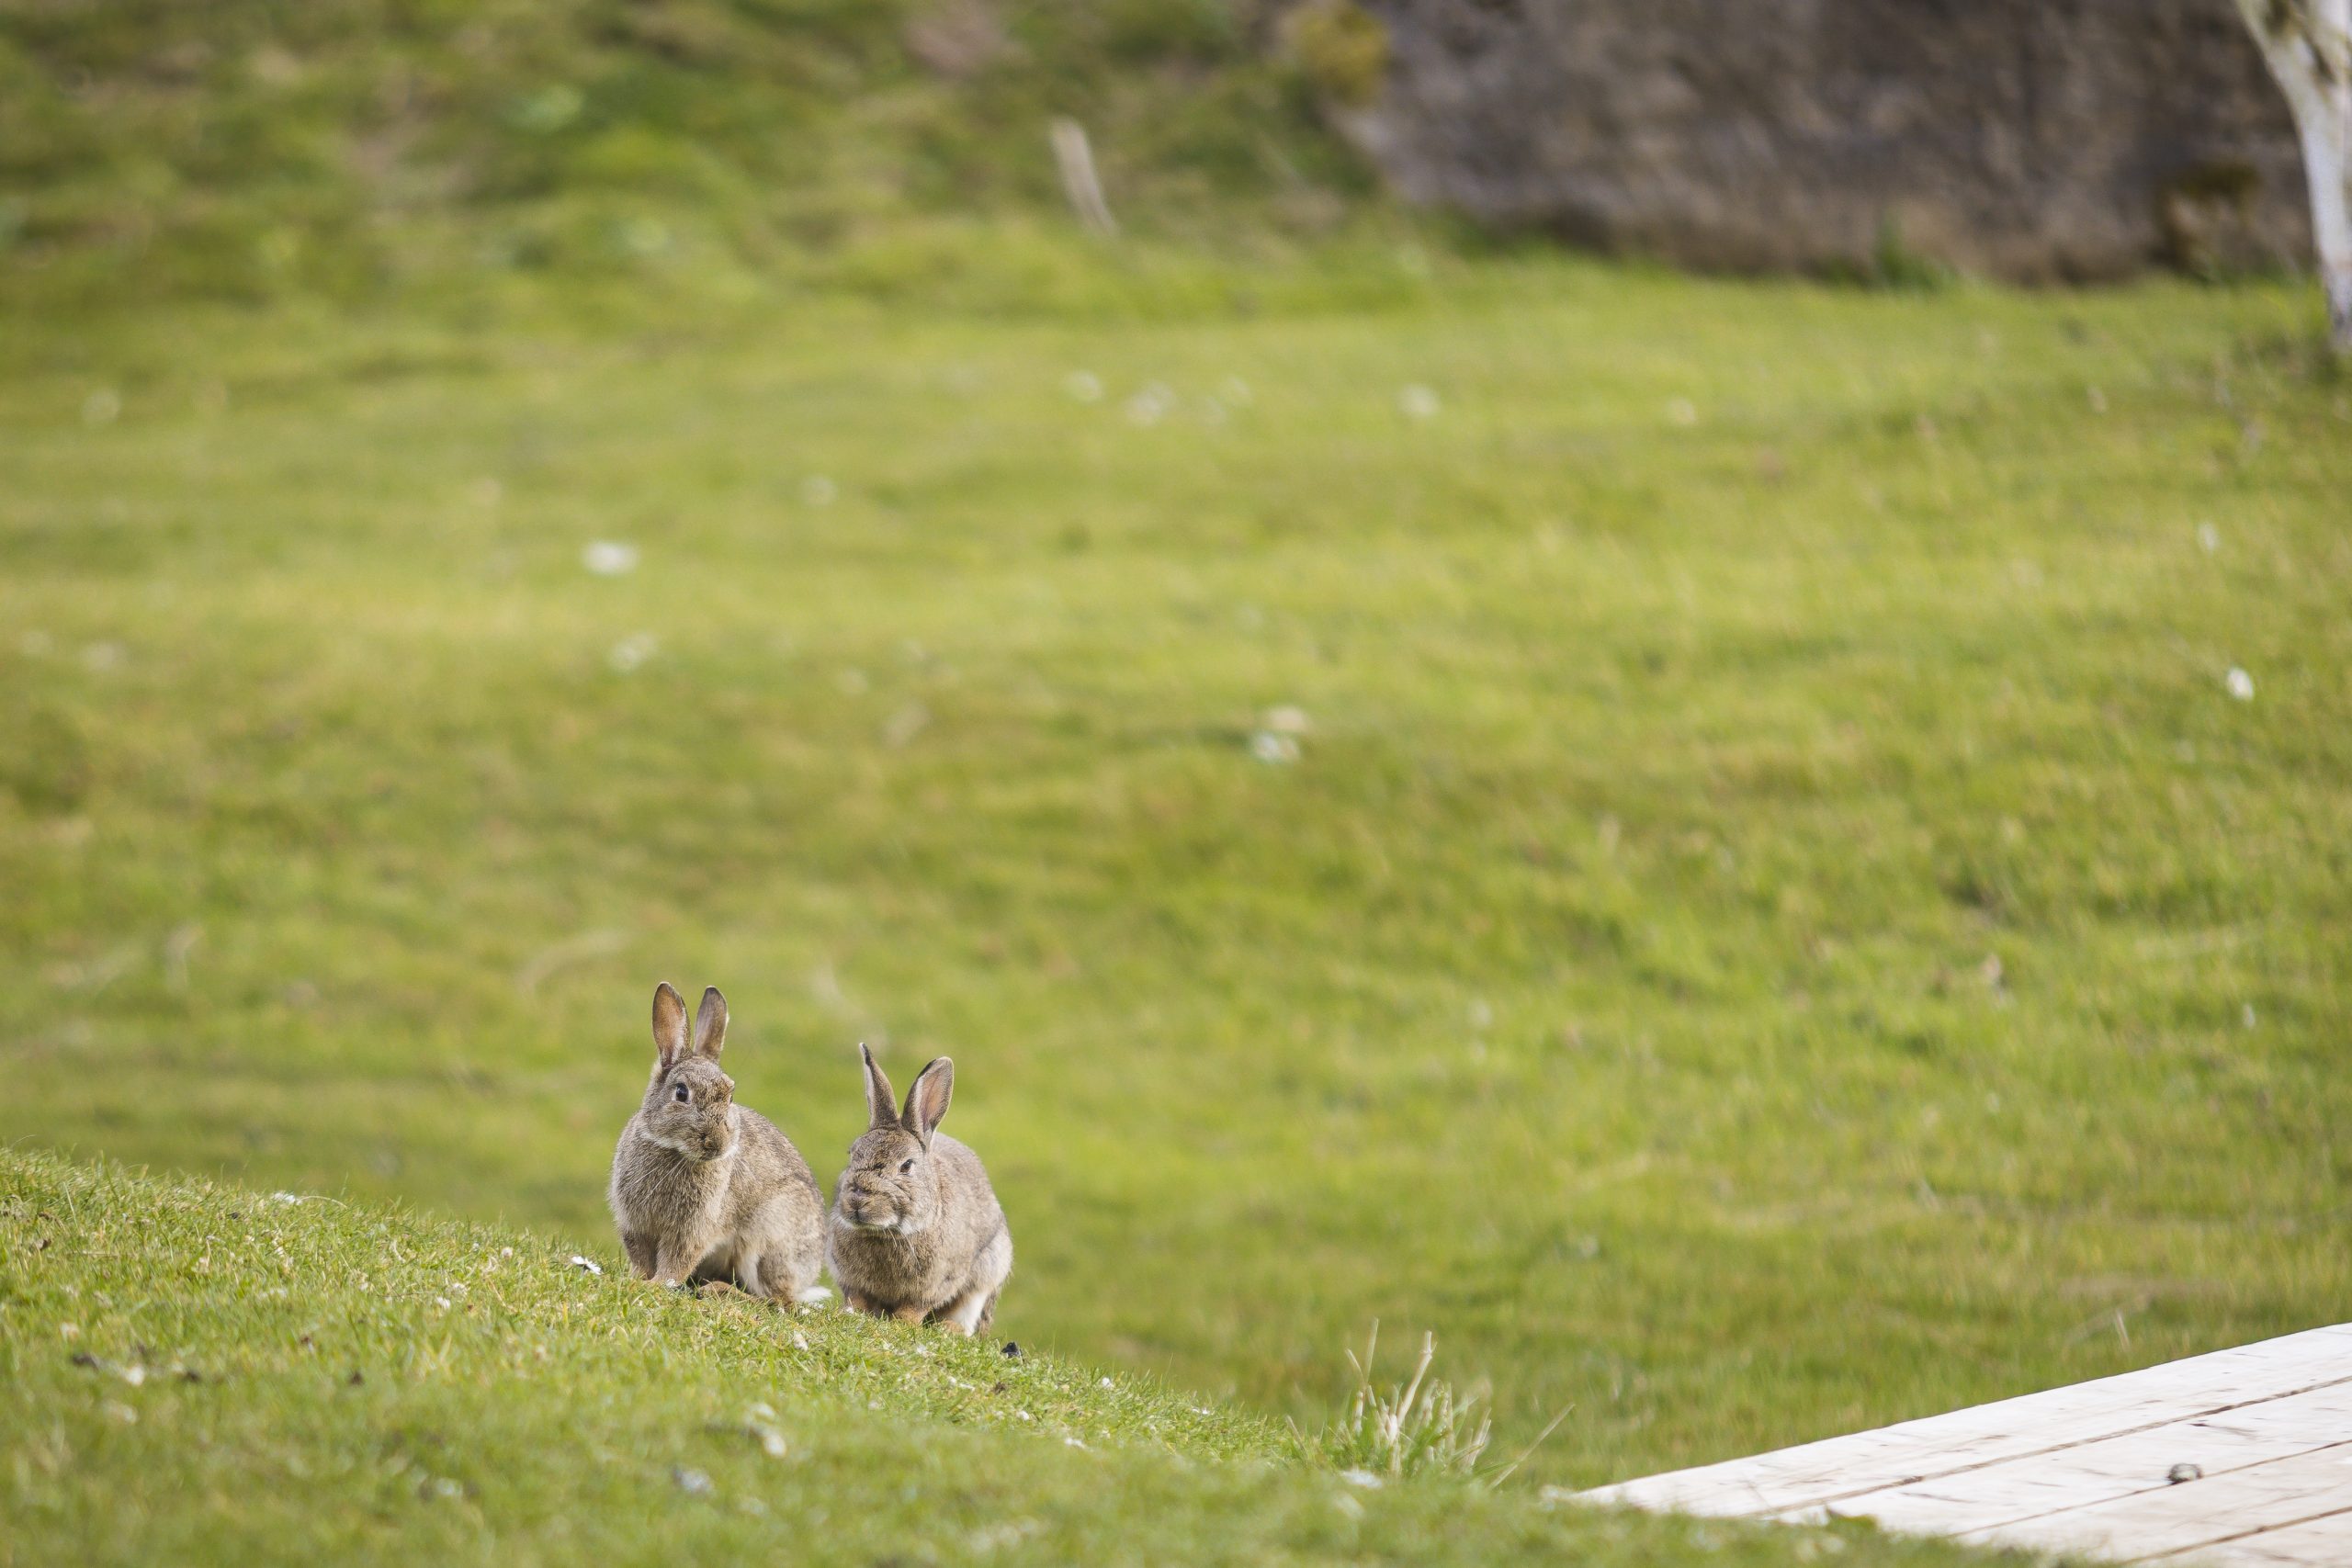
(703, 1189)
(916, 1232)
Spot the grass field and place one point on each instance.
(1695, 838)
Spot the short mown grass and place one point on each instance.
(1767, 917)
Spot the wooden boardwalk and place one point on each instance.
(2236, 1458)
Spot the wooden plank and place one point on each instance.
(2136, 1462)
(2207, 1514)
(2317, 1543)
(1828, 1472)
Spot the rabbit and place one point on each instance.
(916, 1232)
(704, 1190)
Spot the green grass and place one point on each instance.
(1776, 923)
(256, 150)
(194, 1371)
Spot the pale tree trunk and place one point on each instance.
(2308, 44)
(2332, 225)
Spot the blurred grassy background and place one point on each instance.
(355, 149)
(1766, 918)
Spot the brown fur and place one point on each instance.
(703, 1189)
(916, 1232)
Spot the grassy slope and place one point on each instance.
(327, 1382)
(251, 149)
(1698, 699)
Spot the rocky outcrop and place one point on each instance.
(2023, 139)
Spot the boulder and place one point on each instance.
(2030, 140)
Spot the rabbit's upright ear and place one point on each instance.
(711, 1024)
(881, 1105)
(669, 1025)
(927, 1100)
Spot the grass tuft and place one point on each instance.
(1421, 1426)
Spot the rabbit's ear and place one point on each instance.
(927, 1100)
(881, 1105)
(711, 1024)
(669, 1025)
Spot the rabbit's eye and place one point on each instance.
(905, 1165)
(681, 1096)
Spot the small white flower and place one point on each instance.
(2209, 538)
(441, 1301)
(1363, 1478)
(1106, 1382)
(1083, 385)
(1274, 749)
(632, 651)
(589, 1264)
(1010, 1533)
(609, 558)
(285, 1198)
(1072, 1442)
(2240, 685)
(818, 490)
(1149, 406)
(1418, 401)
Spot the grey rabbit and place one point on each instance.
(703, 1189)
(916, 1231)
